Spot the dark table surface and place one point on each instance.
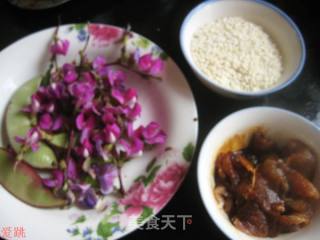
(160, 21)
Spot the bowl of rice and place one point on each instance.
(242, 48)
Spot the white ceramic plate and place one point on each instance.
(170, 102)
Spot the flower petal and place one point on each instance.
(58, 123)
(70, 74)
(106, 175)
(157, 67)
(56, 181)
(45, 121)
(152, 134)
(118, 95)
(99, 62)
(145, 62)
(60, 48)
(72, 172)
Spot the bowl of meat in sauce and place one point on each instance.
(259, 175)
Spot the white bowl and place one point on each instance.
(281, 125)
(274, 21)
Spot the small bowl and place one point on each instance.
(283, 31)
(280, 125)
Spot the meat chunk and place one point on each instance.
(300, 157)
(251, 220)
(293, 222)
(261, 144)
(267, 199)
(274, 174)
(244, 189)
(298, 205)
(301, 186)
(226, 168)
(243, 161)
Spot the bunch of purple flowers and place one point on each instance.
(90, 103)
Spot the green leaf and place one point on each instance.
(151, 176)
(105, 228)
(147, 212)
(114, 209)
(45, 80)
(80, 26)
(140, 178)
(93, 182)
(151, 164)
(188, 152)
(143, 43)
(76, 232)
(80, 219)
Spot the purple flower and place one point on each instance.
(88, 78)
(49, 123)
(85, 135)
(86, 196)
(101, 151)
(130, 131)
(89, 199)
(147, 63)
(57, 123)
(58, 90)
(109, 115)
(60, 47)
(115, 77)
(157, 67)
(69, 73)
(56, 181)
(152, 134)
(131, 148)
(45, 121)
(31, 140)
(128, 97)
(83, 92)
(41, 101)
(85, 149)
(85, 120)
(105, 176)
(117, 95)
(132, 113)
(72, 172)
(112, 132)
(99, 62)
(34, 107)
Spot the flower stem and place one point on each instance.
(71, 142)
(122, 191)
(83, 50)
(143, 75)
